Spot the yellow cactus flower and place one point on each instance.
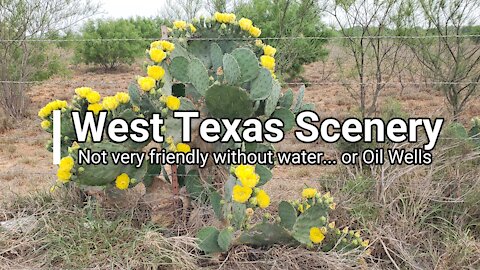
(66, 163)
(255, 31)
(167, 45)
(269, 50)
(156, 72)
(93, 97)
(250, 180)
(157, 55)
(224, 17)
(357, 234)
(146, 83)
(43, 113)
(110, 103)
(181, 25)
(244, 170)
(267, 62)
(300, 208)
(192, 28)
(173, 103)
(259, 43)
(45, 124)
(245, 24)
(156, 44)
(309, 193)
(345, 230)
(183, 147)
(316, 235)
(122, 181)
(63, 175)
(83, 91)
(95, 108)
(241, 194)
(169, 140)
(122, 97)
(263, 199)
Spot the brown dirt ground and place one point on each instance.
(25, 165)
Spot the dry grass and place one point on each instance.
(67, 232)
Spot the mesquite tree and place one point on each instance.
(22, 60)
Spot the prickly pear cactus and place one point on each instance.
(301, 222)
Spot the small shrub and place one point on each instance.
(109, 54)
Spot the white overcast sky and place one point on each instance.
(132, 8)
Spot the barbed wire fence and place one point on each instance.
(310, 82)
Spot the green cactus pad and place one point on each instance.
(286, 116)
(307, 107)
(186, 105)
(201, 50)
(198, 75)
(215, 199)
(193, 184)
(288, 215)
(299, 101)
(100, 175)
(248, 63)
(308, 219)
(265, 234)
(228, 102)
(272, 100)
(174, 128)
(261, 87)
(225, 239)
(178, 68)
(208, 240)
(216, 56)
(167, 80)
(265, 174)
(286, 100)
(192, 93)
(238, 211)
(179, 51)
(231, 70)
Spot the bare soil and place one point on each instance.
(25, 164)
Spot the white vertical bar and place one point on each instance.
(56, 137)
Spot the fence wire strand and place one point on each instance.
(238, 38)
(324, 83)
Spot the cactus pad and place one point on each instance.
(286, 100)
(261, 87)
(201, 50)
(299, 101)
(198, 75)
(310, 218)
(287, 117)
(248, 63)
(231, 69)
(228, 102)
(208, 240)
(272, 100)
(178, 68)
(265, 234)
(288, 215)
(216, 56)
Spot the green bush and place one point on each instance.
(109, 54)
(289, 19)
